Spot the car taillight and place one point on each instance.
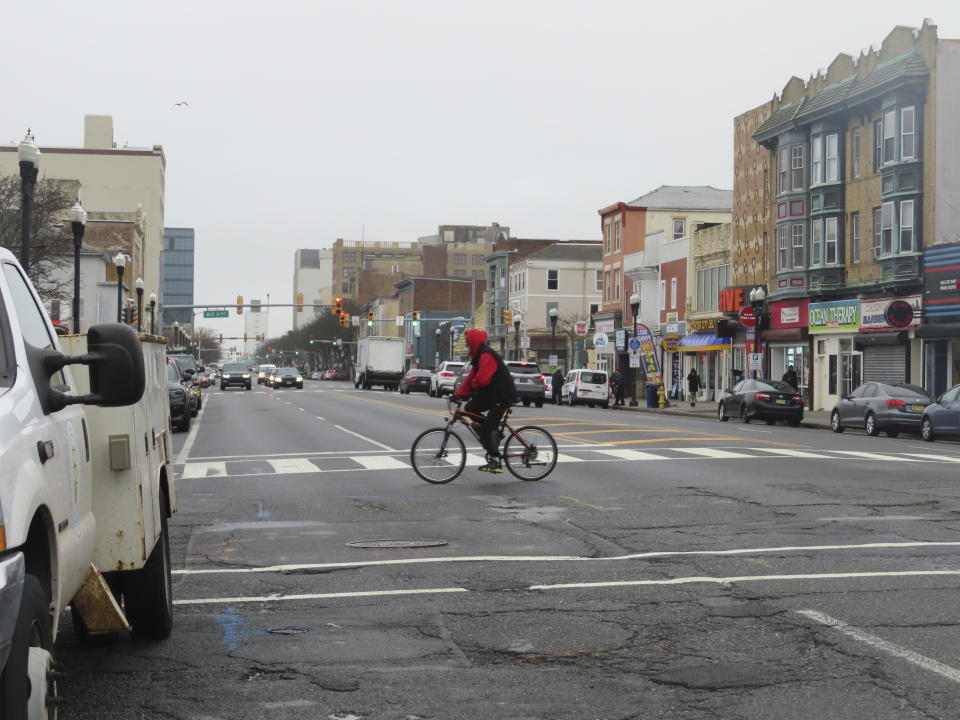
(762, 396)
(895, 402)
(446, 374)
(798, 399)
(577, 386)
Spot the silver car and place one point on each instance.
(443, 380)
(876, 407)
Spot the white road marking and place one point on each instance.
(568, 458)
(199, 470)
(713, 453)
(191, 436)
(474, 460)
(921, 661)
(301, 409)
(576, 558)
(579, 586)
(319, 418)
(941, 458)
(381, 462)
(872, 456)
(793, 453)
(364, 437)
(632, 455)
(290, 466)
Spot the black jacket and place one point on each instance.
(501, 388)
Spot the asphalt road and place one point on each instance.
(668, 568)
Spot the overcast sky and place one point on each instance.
(313, 120)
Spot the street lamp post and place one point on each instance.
(553, 331)
(516, 336)
(139, 286)
(439, 354)
(176, 333)
(635, 309)
(120, 261)
(757, 297)
(29, 167)
(78, 223)
(153, 313)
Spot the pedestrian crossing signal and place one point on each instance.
(415, 318)
(370, 319)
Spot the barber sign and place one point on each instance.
(890, 313)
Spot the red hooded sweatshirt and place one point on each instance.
(481, 374)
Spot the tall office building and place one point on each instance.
(176, 274)
(255, 324)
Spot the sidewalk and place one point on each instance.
(819, 419)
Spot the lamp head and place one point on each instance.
(78, 214)
(120, 260)
(28, 150)
(153, 298)
(553, 312)
(138, 284)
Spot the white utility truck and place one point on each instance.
(86, 488)
(379, 361)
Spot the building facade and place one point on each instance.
(863, 155)
(176, 274)
(256, 328)
(312, 277)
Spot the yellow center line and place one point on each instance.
(397, 405)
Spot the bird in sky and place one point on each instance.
(182, 103)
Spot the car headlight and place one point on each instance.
(226, 375)
(246, 375)
(261, 374)
(299, 378)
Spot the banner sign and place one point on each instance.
(703, 326)
(890, 313)
(835, 316)
(604, 326)
(648, 353)
(621, 339)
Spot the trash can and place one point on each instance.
(652, 395)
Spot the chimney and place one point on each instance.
(97, 132)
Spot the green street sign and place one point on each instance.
(216, 313)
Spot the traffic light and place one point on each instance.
(239, 304)
(344, 321)
(370, 318)
(220, 338)
(415, 318)
(299, 302)
(508, 317)
(337, 305)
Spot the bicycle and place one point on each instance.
(438, 455)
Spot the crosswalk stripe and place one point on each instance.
(872, 456)
(945, 458)
(289, 466)
(474, 460)
(713, 453)
(382, 462)
(631, 455)
(793, 453)
(568, 458)
(198, 470)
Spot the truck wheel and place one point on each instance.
(148, 593)
(32, 636)
(539, 403)
(526, 403)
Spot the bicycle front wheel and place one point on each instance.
(438, 456)
(530, 453)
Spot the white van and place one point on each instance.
(586, 386)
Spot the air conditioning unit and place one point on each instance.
(874, 253)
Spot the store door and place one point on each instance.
(884, 363)
(798, 356)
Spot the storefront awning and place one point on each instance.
(702, 342)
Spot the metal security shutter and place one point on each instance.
(885, 363)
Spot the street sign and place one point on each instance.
(634, 360)
(634, 344)
(216, 313)
(600, 339)
(525, 342)
(552, 362)
(580, 327)
(747, 318)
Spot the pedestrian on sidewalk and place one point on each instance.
(693, 385)
(616, 387)
(556, 383)
(790, 377)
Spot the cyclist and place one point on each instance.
(490, 389)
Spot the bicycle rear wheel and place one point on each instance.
(530, 453)
(438, 456)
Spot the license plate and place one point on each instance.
(585, 392)
(918, 408)
(781, 402)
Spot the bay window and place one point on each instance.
(784, 169)
(816, 242)
(832, 164)
(830, 245)
(796, 243)
(889, 138)
(796, 167)
(906, 226)
(783, 248)
(816, 160)
(907, 135)
(886, 228)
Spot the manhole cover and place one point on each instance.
(396, 543)
(287, 631)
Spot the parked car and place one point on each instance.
(529, 382)
(264, 372)
(287, 377)
(235, 374)
(589, 387)
(443, 381)
(189, 364)
(769, 400)
(181, 395)
(942, 417)
(874, 406)
(416, 380)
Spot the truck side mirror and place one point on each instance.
(115, 358)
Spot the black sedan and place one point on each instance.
(769, 400)
(183, 400)
(875, 406)
(286, 377)
(415, 381)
